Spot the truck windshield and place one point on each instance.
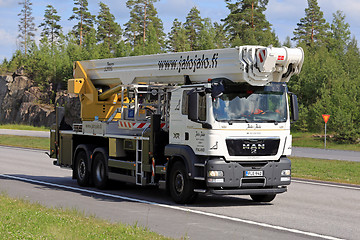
(253, 105)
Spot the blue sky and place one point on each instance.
(282, 14)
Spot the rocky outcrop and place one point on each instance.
(72, 106)
(23, 103)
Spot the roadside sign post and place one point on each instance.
(326, 119)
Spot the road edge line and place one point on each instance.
(250, 222)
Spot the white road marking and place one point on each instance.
(291, 230)
(326, 184)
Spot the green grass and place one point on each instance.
(305, 139)
(20, 219)
(326, 170)
(23, 127)
(27, 142)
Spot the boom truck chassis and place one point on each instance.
(212, 121)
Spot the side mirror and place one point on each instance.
(193, 101)
(294, 108)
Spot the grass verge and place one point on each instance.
(305, 139)
(24, 220)
(27, 142)
(23, 127)
(326, 170)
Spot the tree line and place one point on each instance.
(328, 83)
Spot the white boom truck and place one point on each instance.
(212, 121)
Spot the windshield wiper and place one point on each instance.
(271, 121)
(230, 122)
(238, 121)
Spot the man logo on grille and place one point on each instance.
(253, 147)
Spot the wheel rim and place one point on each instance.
(179, 183)
(82, 169)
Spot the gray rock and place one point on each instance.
(71, 103)
(23, 103)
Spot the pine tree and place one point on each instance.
(108, 31)
(247, 24)
(50, 35)
(287, 42)
(26, 26)
(207, 35)
(340, 31)
(132, 28)
(86, 20)
(313, 28)
(177, 37)
(51, 29)
(152, 45)
(143, 21)
(221, 40)
(193, 26)
(351, 62)
(92, 50)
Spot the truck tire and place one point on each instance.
(263, 198)
(181, 186)
(100, 172)
(82, 172)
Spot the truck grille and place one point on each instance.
(253, 147)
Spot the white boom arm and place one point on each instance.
(256, 65)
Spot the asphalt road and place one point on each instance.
(307, 211)
(353, 156)
(296, 151)
(44, 134)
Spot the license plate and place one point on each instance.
(254, 173)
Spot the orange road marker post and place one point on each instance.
(326, 119)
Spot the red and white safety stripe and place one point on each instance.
(135, 125)
(125, 124)
(141, 125)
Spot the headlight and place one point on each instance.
(285, 172)
(215, 174)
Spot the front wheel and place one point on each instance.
(263, 198)
(100, 173)
(181, 186)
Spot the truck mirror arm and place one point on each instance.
(206, 125)
(203, 124)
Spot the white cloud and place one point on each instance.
(7, 44)
(285, 10)
(350, 8)
(8, 3)
(6, 37)
(285, 14)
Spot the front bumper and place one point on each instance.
(234, 180)
(258, 191)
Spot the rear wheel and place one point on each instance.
(181, 186)
(263, 198)
(82, 169)
(100, 173)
